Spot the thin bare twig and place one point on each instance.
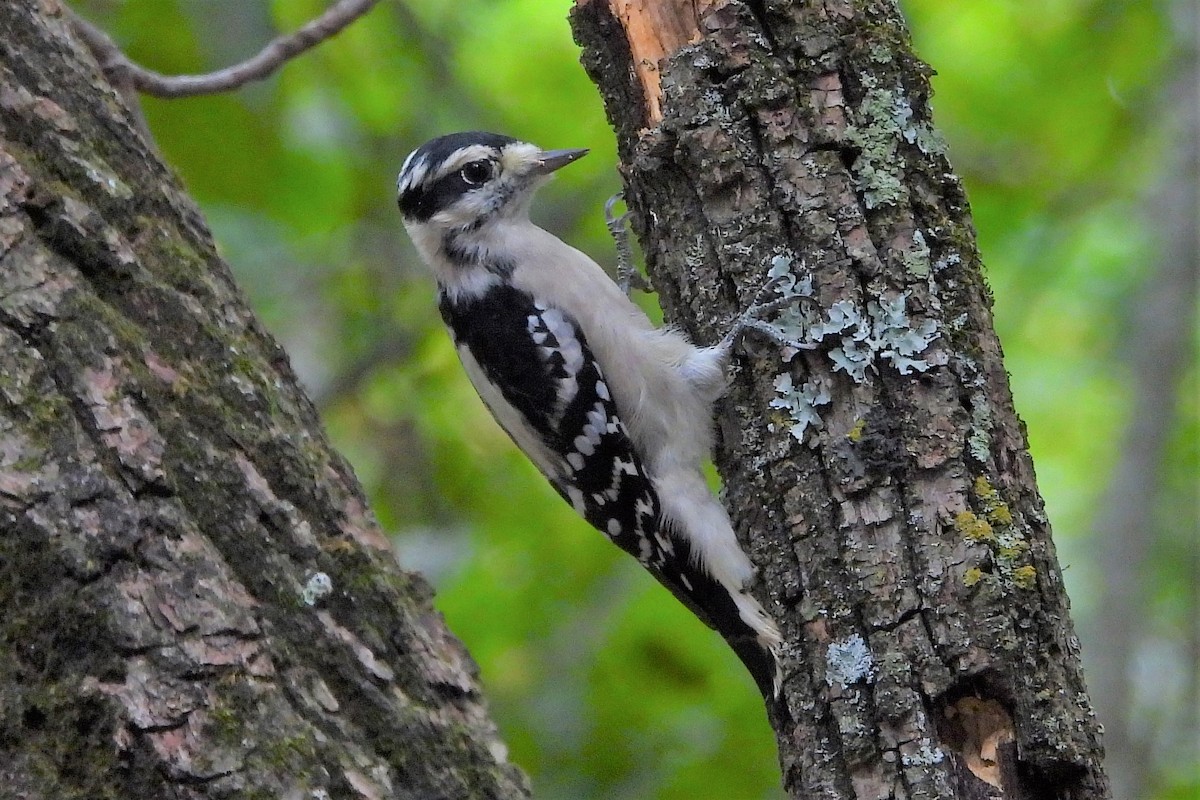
(125, 73)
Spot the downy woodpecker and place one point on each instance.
(617, 414)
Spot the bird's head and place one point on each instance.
(463, 181)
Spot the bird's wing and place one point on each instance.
(531, 364)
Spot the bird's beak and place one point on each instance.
(550, 160)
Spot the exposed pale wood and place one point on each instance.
(654, 31)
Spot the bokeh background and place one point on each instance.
(1073, 124)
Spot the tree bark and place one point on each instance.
(196, 601)
(878, 468)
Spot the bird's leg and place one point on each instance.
(628, 278)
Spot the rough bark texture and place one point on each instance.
(196, 601)
(879, 470)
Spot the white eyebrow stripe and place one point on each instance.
(465, 155)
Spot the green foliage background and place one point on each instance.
(602, 684)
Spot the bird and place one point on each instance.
(616, 413)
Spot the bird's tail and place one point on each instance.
(710, 573)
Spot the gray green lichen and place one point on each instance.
(882, 120)
(849, 661)
(318, 587)
(800, 403)
(979, 440)
(861, 338)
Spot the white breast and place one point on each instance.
(511, 420)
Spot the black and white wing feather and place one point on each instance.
(532, 366)
(534, 370)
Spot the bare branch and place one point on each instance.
(125, 74)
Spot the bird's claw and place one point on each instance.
(754, 316)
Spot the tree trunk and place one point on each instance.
(878, 467)
(196, 601)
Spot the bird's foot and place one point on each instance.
(628, 277)
(761, 308)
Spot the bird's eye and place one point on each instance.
(476, 172)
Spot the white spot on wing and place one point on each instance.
(550, 322)
(644, 550)
(576, 498)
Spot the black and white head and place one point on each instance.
(463, 182)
